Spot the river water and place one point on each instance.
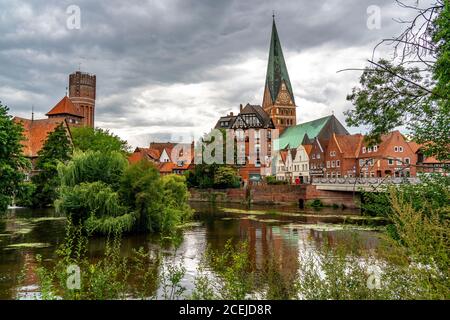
(282, 231)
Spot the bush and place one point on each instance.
(93, 166)
(124, 198)
(272, 180)
(216, 176)
(24, 195)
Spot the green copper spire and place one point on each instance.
(276, 68)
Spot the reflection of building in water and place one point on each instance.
(270, 241)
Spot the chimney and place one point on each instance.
(240, 107)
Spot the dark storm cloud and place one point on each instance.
(138, 49)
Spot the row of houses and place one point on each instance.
(349, 155)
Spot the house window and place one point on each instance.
(313, 156)
(318, 156)
(390, 162)
(328, 164)
(375, 148)
(369, 149)
(361, 162)
(399, 161)
(395, 149)
(400, 149)
(407, 161)
(338, 163)
(364, 149)
(333, 164)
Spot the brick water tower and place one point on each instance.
(82, 88)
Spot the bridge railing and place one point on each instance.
(365, 181)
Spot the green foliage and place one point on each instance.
(441, 37)
(235, 279)
(89, 199)
(316, 203)
(431, 194)
(413, 260)
(57, 148)
(90, 139)
(107, 195)
(216, 176)
(392, 95)
(12, 162)
(226, 177)
(272, 180)
(24, 194)
(93, 166)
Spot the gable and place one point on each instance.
(164, 156)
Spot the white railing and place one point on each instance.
(365, 181)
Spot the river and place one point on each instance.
(284, 231)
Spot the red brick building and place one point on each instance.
(393, 156)
(252, 129)
(66, 109)
(82, 93)
(428, 165)
(35, 134)
(341, 155)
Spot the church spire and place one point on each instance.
(276, 68)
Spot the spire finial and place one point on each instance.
(32, 112)
(273, 15)
(66, 90)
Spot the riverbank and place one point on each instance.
(284, 231)
(294, 195)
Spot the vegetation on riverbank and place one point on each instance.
(12, 161)
(105, 194)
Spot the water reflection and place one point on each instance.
(283, 237)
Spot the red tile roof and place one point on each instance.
(36, 131)
(349, 145)
(65, 106)
(308, 148)
(144, 153)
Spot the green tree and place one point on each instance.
(105, 194)
(86, 138)
(226, 177)
(12, 161)
(412, 90)
(57, 148)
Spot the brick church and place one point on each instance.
(278, 111)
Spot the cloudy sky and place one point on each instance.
(167, 69)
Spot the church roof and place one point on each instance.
(293, 136)
(35, 133)
(65, 106)
(276, 67)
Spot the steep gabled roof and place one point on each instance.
(308, 148)
(349, 145)
(293, 136)
(65, 106)
(36, 132)
(260, 114)
(276, 67)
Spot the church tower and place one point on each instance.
(278, 100)
(82, 87)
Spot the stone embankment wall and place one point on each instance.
(277, 194)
